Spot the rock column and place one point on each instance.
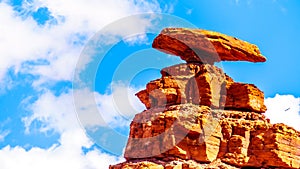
(198, 117)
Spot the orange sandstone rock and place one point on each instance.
(196, 45)
(198, 117)
(245, 96)
(171, 164)
(183, 131)
(201, 84)
(203, 135)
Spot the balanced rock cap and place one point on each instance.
(196, 45)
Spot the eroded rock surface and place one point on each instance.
(196, 45)
(242, 96)
(171, 164)
(198, 117)
(204, 135)
(201, 84)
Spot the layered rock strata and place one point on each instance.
(204, 135)
(198, 117)
(195, 45)
(201, 84)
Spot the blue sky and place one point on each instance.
(44, 45)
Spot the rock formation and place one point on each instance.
(198, 117)
(195, 45)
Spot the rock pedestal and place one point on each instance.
(198, 117)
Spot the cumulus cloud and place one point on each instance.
(50, 52)
(64, 112)
(66, 155)
(114, 109)
(53, 112)
(59, 113)
(56, 113)
(284, 109)
(59, 42)
(121, 103)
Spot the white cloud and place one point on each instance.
(58, 113)
(60, 44)
(93, 14)
(122, 103)
(53, 112)
(66, 155)
(91, 109)
(284, 109)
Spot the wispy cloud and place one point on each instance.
(280, 6)
(3, 130)
(3, 134)
(189, 11)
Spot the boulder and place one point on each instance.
(202, 46)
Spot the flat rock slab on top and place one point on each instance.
(196, 45)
